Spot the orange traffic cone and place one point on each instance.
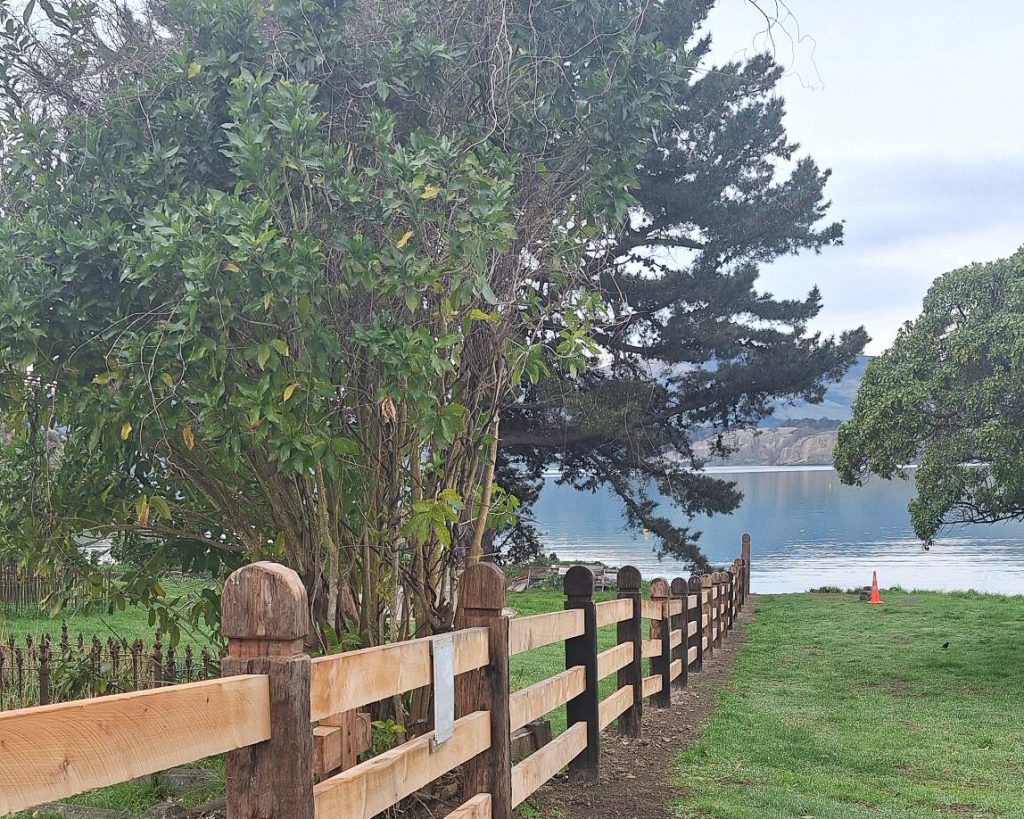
(875, 599)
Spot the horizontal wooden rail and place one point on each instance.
(651, 685)
(675, 638)
(691, 655)
(534, 702)
(344, 682)
(527, 633)
(675, 669)
(616, 657)
(611, 707)
(539, 767)
(651, 610)
(55, 751)
(613, 611)
(375, 785)
(691, 628)
(651, 648)
(691, 601)
(675, 607)
(479, 807)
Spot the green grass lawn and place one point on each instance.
(838, 710)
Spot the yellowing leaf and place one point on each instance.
(231, 267)
(290, 390)
(430, 192)
(102, 378)
(280, 345)
(189, 437)
(193, 70)
(166, 378)
(142, 510)
(126, 430)
(405, 239)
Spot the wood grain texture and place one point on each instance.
(614, 658)
(526, 633)
(375, 785)
(651, 610)
(612, 706)
(651, 685)
(651, 648)
(55, 751)
(613, 611)
(676, 668)
(534, 702)
(345, 682)
(676, 638)
(539, 767)
(582, 651)
(691, 654)
(479, 807)
(691, 628)
(630, 632)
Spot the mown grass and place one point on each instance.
(839, 710)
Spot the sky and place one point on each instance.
(918, 108)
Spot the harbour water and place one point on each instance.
(808, 531)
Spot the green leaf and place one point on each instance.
(430, 192)
(263, 356)
(289, 391)
(280, 345)
(193, 70)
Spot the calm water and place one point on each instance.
(807, 530)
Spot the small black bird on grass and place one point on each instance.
(946, 644)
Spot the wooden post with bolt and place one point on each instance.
(582, 650)
(629, 631)
(265, 617)
(662, 663)
(482, 603)
(680, 623)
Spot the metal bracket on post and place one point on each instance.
(442, 655)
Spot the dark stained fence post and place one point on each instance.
(720, 605)
(44, 671)
(266, 618)
(661, 664)
(745, 554)
(629, 631)
(582, 650)
(707, 610)
(730, 596)
(695, 615)
(482, 603)
(679, 623)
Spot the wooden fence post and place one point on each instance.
(265, 617)
(720, 603)
(579, 589)
(695, 615)
(482, 603)
(731, 596)
(745, 554)
(679, 623)
(629, 631)
(708, 615)
(662, 664)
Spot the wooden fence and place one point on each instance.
(38, 670)
(260, 712)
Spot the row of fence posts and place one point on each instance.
(265, 618)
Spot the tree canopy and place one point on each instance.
(690, 342)
(949, 395)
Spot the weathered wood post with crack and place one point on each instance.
(629, 631)
(582, 650)
(265, 616)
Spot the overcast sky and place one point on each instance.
(917, 106)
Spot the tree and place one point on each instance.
(689, 342)
(949, 394)
(269, 271)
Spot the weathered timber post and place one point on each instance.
(661, 664)
(629, 631)
(482, 603)
(694, 615)
(266, 618)
(731, 596)
(706, 587)
(679, 623)
(720, 580)
(745, 554)
(579, 590)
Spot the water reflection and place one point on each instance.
(808, 530)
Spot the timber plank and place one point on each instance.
(612, 706)
(539, 767)
(614, 658)
(479, 807)
(613, 611)
(651, 685)
(526, 633)
(534, 702)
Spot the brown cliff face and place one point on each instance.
(781, 446)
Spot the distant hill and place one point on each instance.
(799, 434)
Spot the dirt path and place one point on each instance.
(637, 777)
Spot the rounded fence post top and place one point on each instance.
(578, 582)
(628, 578)
(482, 587)
(746, 538)
(264, 601)
(705, 581)
(694, 582)
(659, 587)
(678, 586)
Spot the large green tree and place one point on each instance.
(949, 395)
(691, 345)
(268, 271)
